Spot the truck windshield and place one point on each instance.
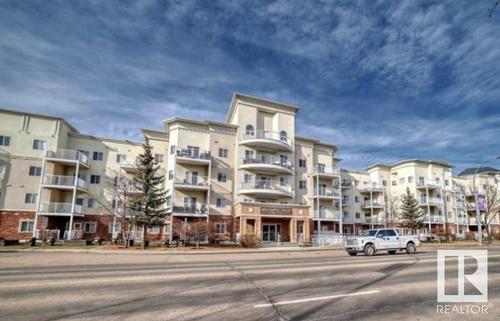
(368, 233)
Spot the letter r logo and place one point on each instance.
(478, 279)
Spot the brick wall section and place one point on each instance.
(9, 224)
(228, 236)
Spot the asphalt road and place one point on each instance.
(325, 285)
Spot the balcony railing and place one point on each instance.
(431, 201)
(370, 204)
(434, 218)
(65, 154)
(345, 184)
(267, 185)
(193, 154)
(461, 220)
(325, 192)
(60, 208)
(327, 214)
(269, 135)
(64, 181)
(191, 209)
(195, 180)
(268, 159)
(327, 170)
(460, 205)
(375, 219)
(429, 183)
(371, 187)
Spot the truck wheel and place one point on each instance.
(352, 253)
(369, 250)
(410, 248)
(391, 252)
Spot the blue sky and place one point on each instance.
(384, 80)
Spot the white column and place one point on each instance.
(340, 205)
(73, 201)
(371, 208)
(39, 198)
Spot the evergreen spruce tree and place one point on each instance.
(410, 212)
(149, 205)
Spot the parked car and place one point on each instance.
(371, 241)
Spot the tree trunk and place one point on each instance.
(144, 236)
(198, 243)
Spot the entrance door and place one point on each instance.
(271, 232)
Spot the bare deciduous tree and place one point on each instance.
(492, 210)
(197, 230)
(391, 210)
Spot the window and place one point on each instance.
(283, 136)
(302, 163)
(221, 202)
(97, 156)
(283, 181)
(402, 180)
(356, 199)
(30, 198)
(84, 152)
(446, 182)
(91, 203)
(166, 228)
(35, 171)
(169, 200)
(79, 201)
(249, 154)
(116, 204)
(170, 174)
(3, 168)
(95, 179)
(302, 184)
(159, 158)
(384, 182)
(172, 149)
(26, 226)
(118, 227)
(394, 183)
(221, 177)
(4, 140)
(39, 144)
(154, 229)
(223, 152)
(247, 178)
(358, 215)
(220, 228)
(89, 227)
(121, 159)
(249, 130)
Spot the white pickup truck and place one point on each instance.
(387, 239)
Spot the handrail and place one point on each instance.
(68, 154)
(271, 135)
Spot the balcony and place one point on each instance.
(195, 183)
(193, 156)
(325, 171)
(196, 210)
(434, 218)
(60, 209)
(63, 182)
(431, 201)
(371, 187)
(462, 220)
(131, 168)
(461, 205)
(323, 193)
(266, 188)
(429, 184)
(267, 163)
(470, 192)
(373, 204)
(268, 139)
(67, 157)
(374, 220)
(346, 185)
(327, 214)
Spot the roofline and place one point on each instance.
(145, 130)
(430, 161)
(122, 141)
(17, 112)
(198, 122)
(237, 95)
(317, 142)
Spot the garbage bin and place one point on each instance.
(146, 244)
(33, 241)
(131, 243)
(52, 241)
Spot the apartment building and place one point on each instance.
(372, 198)
(249, 174)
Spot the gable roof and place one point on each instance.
(472, 170)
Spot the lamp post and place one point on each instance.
(478, 212)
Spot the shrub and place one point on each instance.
(249, 241)
(496, 236)
(470, 236)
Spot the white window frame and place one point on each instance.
(155, 230)
(93, 230)
(159, 158)
(220, 202)
(4, 140)
(222, 177)
(20, 230)
(36, 169)
(39, 144)
(218, 229)
(32, 199)
(96, 180)
(121, 158)
(97, 156)
(223, 152)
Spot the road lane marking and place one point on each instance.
(316, 298)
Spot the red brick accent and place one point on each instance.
(228, 236)
(9, 224)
